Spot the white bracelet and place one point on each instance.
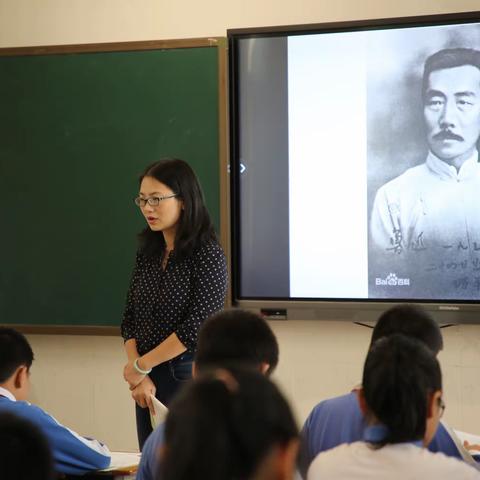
(138, 369)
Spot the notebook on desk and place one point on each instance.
(123, 466)
(123, 462)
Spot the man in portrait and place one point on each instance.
(425, 223)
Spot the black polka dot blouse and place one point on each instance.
(178, 299)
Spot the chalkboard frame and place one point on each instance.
(213, 42)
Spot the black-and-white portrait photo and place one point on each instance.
(423, 171)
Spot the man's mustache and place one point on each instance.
(447, 135)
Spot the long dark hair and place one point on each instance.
(222, 425)
(195, 226)
(399, 375)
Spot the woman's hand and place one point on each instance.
(141, 394)
(131, 375)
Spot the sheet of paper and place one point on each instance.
(160, 412)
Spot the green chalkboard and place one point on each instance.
(76, 129)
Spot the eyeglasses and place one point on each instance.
(441, 406)
(152, 201)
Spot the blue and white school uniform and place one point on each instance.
(72, 453)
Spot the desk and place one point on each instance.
(124, 466)
(105, 476)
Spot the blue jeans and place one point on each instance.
(167, 377)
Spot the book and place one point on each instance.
(473, 440)
(466, 454)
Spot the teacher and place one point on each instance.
(179, 279)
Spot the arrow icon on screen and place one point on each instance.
(242, 168)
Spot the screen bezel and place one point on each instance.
(308, 307)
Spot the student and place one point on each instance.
(24, 451)
(72, 454)
(339, 420)
(226, 425)
(237, 338)
(228, 339)
(401, 398)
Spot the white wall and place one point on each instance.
(46, 22)
(78, 378)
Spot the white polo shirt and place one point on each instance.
(403, 461)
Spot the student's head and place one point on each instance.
(229, 424)
(24, 451)
(411, 321)
(451, 93)
(172, 203)
(16, 357)
(236, 338)
(402, 389)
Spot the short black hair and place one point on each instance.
(399, 375)
(236, 337)
(412, 321)
(195, 226)
(24, 451)
(15, 351)
(223, 424)
(449, 58)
